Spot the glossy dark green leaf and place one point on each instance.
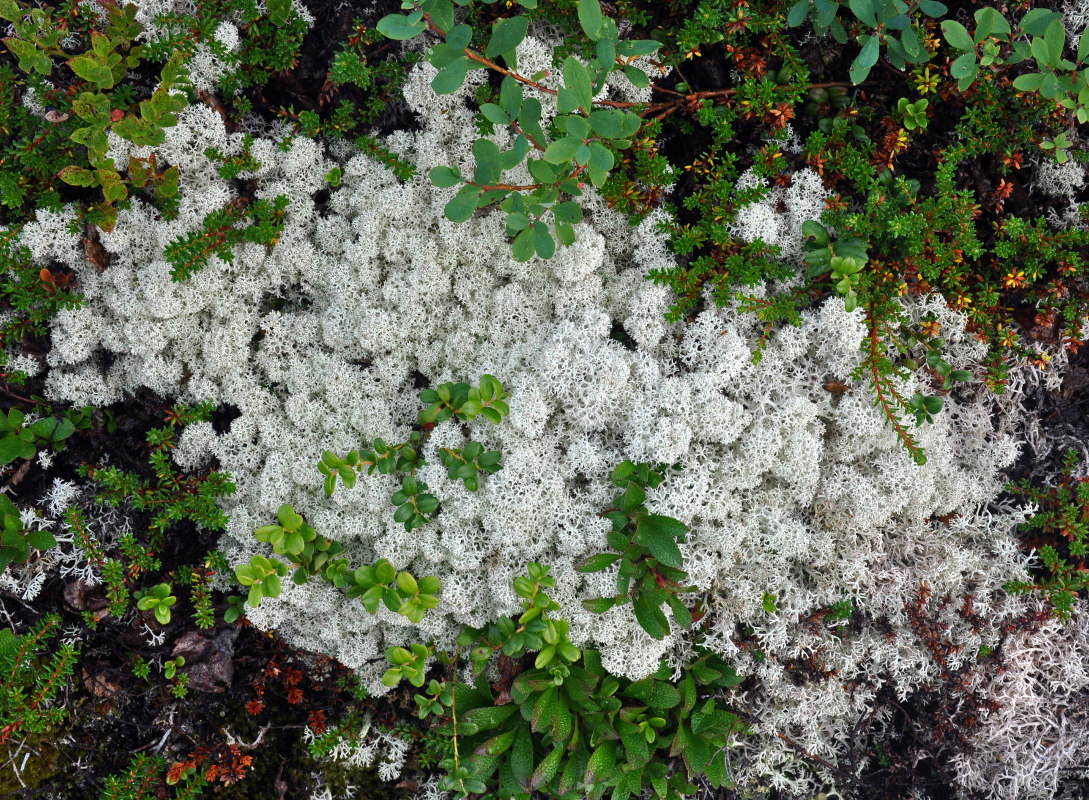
(635, 745)
(650, 617)
(598, 605)
(597, 562)
(659, 534)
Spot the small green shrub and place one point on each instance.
(1062, 520)
(31, 678)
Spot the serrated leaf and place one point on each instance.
(597, 562)
(497, 745)
(659, 534)
(635, 745)
(521, 757)
(650, 617)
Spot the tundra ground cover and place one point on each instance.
(863, 278)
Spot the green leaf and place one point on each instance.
(497, 745)
(78, 176)
(113, 188)
(635, 745)
(486, 153)
(577, 80)
(964, 66)
(912, 46)
(510, 96)
(489, 717)
(600, 157)
(1032, 81)
(562, 150)
(92, 70)
(659, 533)
(798, 12)
(507, 34)
(932, 8)
(1055, 37)
(521, 757)
(444, 177)
(545, 709)
(10, 448)
(650, 617)
(864, 10)
(569, 212)
(598, 605)
(598, 562)
(639, 78)
(862, 65)
(543, 242)
(450, 79)
(463, 205)
(546, 770)
(590, 18)
(279, 12)
(40, 540)
(681, 613)
(1036, 21)
(523, 247)
(957, 36)
(494, 114)
(401, 27)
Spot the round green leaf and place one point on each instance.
(957, 35)
(400, 27)
(444, 177)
